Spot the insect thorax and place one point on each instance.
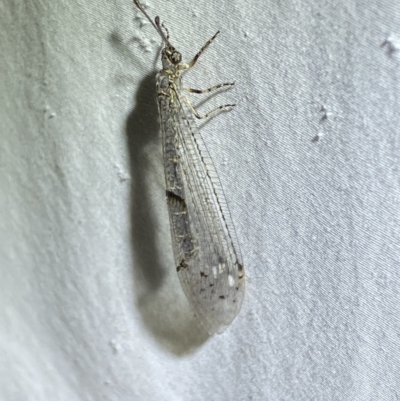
(168, 83)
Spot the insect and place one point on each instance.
(206, 251)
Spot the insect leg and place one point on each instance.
(208, 90)
(211, 113)
(195, 58)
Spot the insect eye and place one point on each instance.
(176, 57)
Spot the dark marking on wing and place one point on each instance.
(182, 265)
(173, 195)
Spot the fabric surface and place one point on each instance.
(92, 308)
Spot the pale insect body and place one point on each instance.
(206, 251)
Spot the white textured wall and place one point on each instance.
(91, 307)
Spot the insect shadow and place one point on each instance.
(160, 300)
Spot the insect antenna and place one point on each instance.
(155, 23)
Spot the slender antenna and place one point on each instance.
(157, 20)
(156, 25)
